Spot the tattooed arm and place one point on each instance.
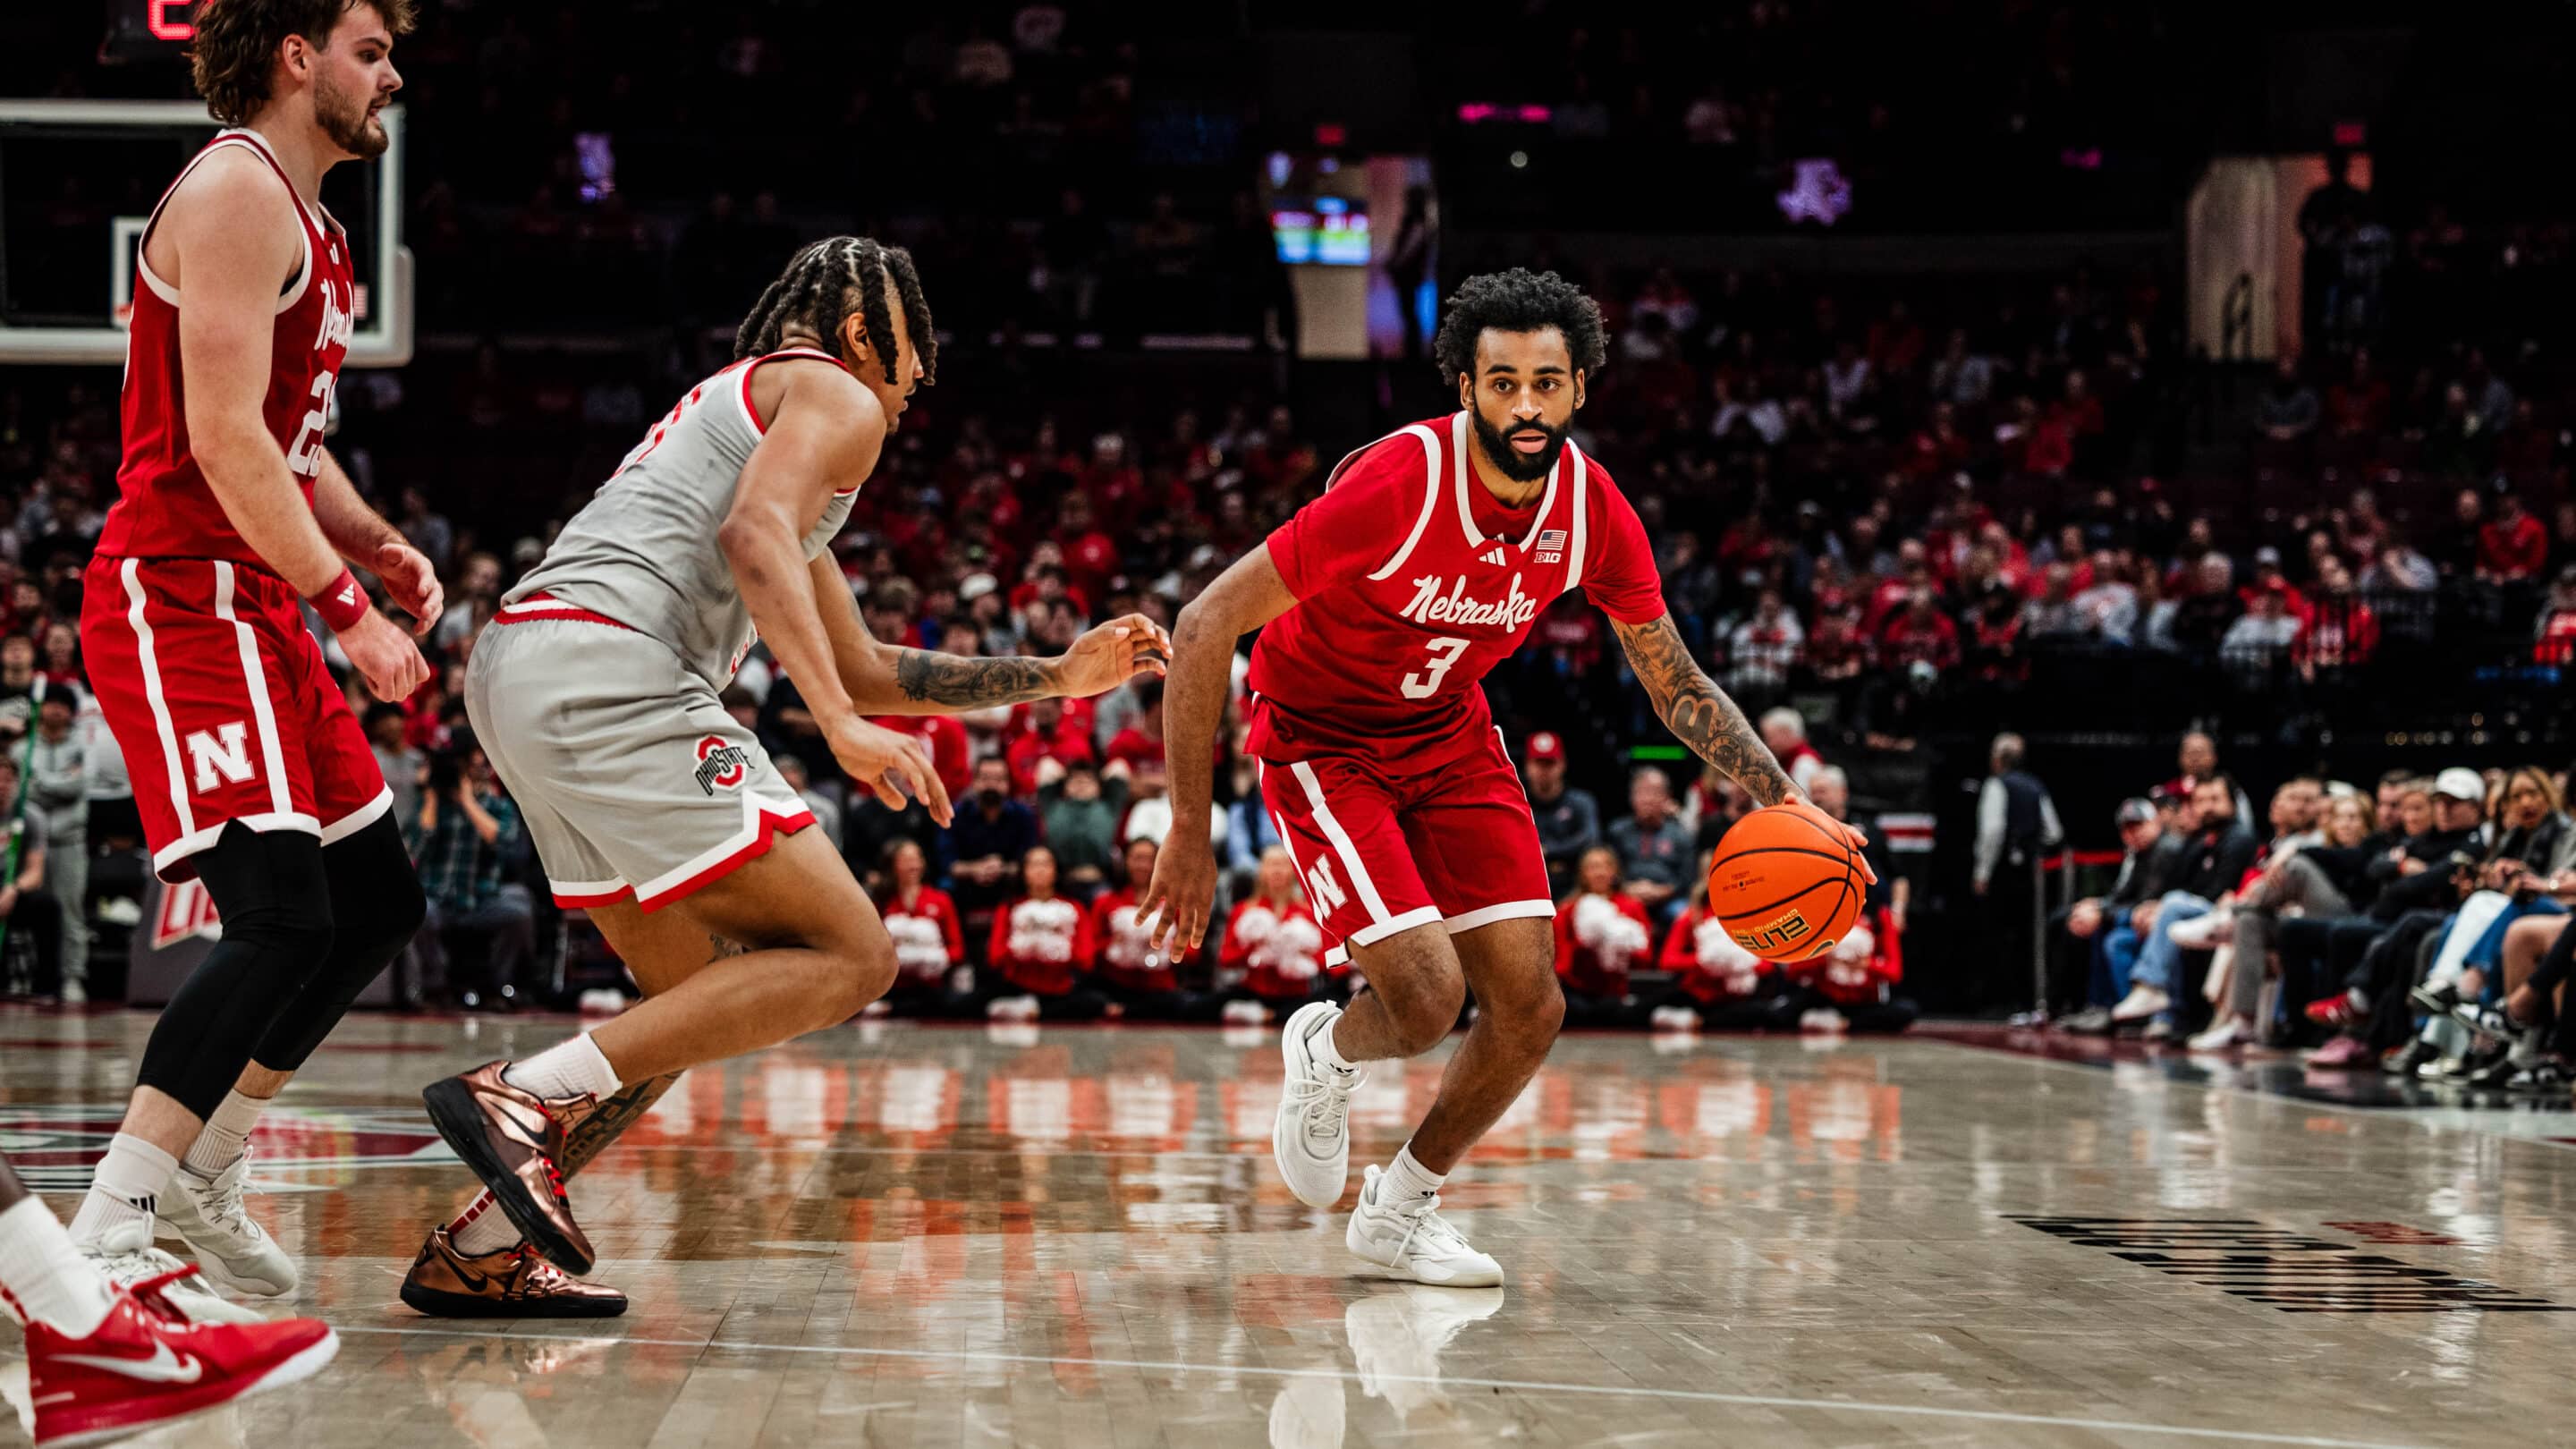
(883, 678)
(1699, 714)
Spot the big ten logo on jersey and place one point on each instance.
(187, 909)
(741, 652)
(1431, 606)
(219, 756)
(722, 764)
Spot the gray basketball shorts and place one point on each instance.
(634, 781)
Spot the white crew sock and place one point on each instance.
(482, 1228)
(126, 1189)
(227, 1134)
(45, 1276)
(1321, 1044)
(1406, 1178)
(575, 1068)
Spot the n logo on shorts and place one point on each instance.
(1326, 891)
(224, 751)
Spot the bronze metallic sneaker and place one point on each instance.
(511, 1140)
(512, 1283)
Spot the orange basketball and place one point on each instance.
(1786, 887)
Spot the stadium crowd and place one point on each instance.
(1869, 495)
(2416, 925)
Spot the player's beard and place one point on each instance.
(1510, 461)
(345, 119)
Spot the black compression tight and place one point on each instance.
(281, 977)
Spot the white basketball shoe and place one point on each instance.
(233, 1250)
(1311, 1138)
(1412, 1240)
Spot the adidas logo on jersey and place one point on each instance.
(1430, 606)
(1494, 556)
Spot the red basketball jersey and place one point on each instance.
(1413, 583)
(166, 510)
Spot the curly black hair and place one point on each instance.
(821, 285)
(1519, 300)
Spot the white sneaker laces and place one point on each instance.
(137, 1265)
(1422, 1222)
(222, 1205)
(1323, 1099)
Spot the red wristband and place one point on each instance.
(341, 603)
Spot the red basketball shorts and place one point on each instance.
(1382, 851)
(220, 699)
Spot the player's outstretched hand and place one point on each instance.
(891, 764)
(1851, 834)
(385, 657)
(1110, 654)
(412, 584)
(1177, 899)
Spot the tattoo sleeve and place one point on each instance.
(963, 683)
(1698, 713)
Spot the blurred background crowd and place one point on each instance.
(1909, 380)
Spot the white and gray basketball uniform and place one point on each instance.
(595, 692)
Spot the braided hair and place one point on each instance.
(819, 287)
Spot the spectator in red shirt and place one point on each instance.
(2341, 630)
(927, 944)
(1042, 945)
(1273, 941)
(2268, 579)
(1143, 740)
(1090, 556)
(1044, 732)
(1716, 982)
(2359, 403)
(1602, 933)
(2555, 637)
(1920, 634)
(2512, 546)
(943, 738)
(1142, 984)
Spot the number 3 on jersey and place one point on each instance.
(1444, 652)
(305, 458)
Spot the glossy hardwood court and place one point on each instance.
(891, 1235)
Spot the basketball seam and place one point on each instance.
(1841, 855)
(1837, 911)
(1784, 900)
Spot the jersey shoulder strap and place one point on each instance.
(1431, 468)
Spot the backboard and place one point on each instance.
(78, 180)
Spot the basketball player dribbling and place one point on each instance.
(249, 770)
(595, 696)
(1386, 602)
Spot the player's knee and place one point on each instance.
(860, 971)
(1423, 1015)
(1545, 1016)
(1526, 1014)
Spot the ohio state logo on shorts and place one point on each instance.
(721, 764)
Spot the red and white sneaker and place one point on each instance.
(2337, 1011)
(146, 1364)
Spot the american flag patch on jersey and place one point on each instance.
(1551, 545)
